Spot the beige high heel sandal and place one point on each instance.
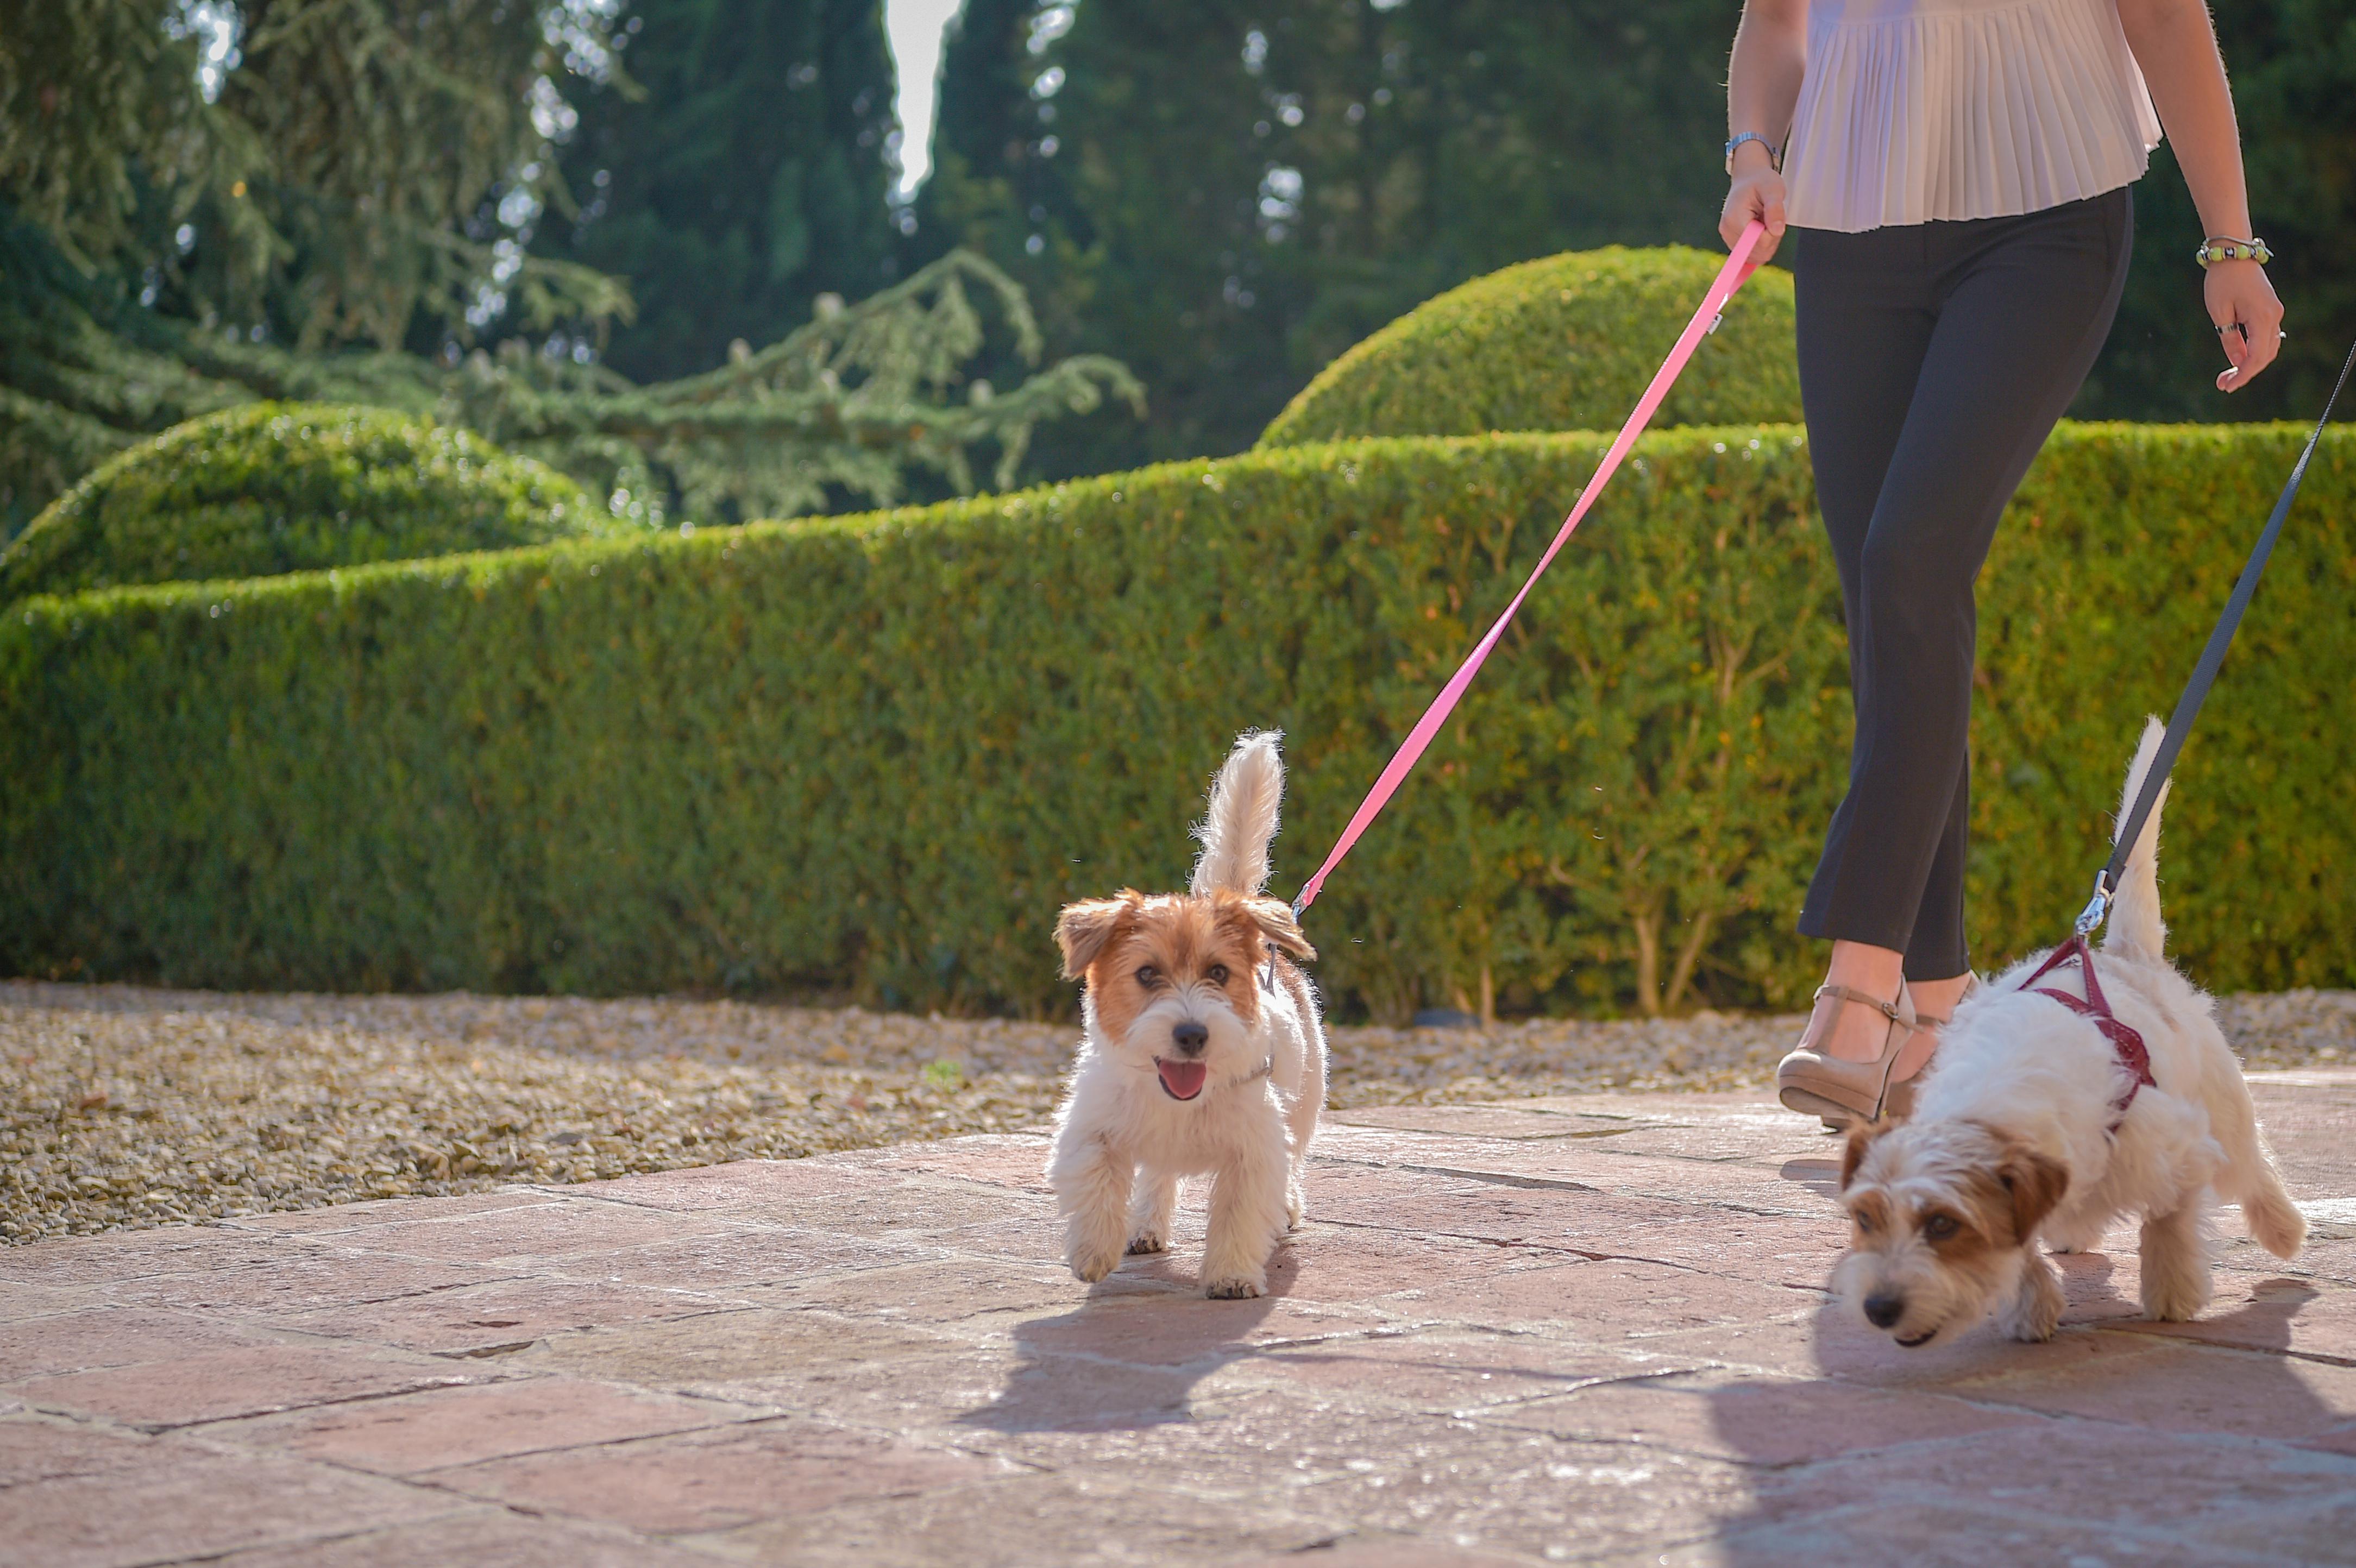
(1898, 1100)
(1841, 1092)
(1815, 1084)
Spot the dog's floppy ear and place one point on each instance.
(1860, 1139)
(1274, 919)
(2035, 1183)
(1084, 928)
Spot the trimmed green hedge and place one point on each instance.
(1569, 342)
(874, 754)
(274, 487)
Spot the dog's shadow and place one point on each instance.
(1132, 1353)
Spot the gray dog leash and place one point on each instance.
(2204, 675)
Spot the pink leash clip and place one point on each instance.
(1730, 277)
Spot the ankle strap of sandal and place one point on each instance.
(1924, 1021)
(1851, 994)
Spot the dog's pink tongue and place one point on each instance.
(1183, 1079)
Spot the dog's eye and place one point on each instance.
(1148, 977)
(1864, 1223)
(1217, 974)
(1939, 1227)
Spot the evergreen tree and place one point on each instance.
(843, 409)
(991, 182)
(325, 171)
(1228, 194)
(1232, 193)
(978, 117)
(183, 230)
(185, 186)
(742, 171)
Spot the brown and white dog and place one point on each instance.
(1204, 1052)
(2017, 1135)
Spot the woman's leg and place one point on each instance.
(1866, 314)
(2022, 306)
(2053, 265)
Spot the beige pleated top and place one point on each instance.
(1913, 110)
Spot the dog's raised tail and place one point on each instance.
(2137, 930)
(1245, 799)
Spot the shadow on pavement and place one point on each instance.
(1129, 1356)
(1967, 1453)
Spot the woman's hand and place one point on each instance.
(1757, 192)
(2248, 316)
(2176, 45)
(1763, 87)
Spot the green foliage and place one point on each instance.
(86, 372)
(1229, 194)
(94, 95)
(338, 180)
(1434, 143)
(853, 403)
(1567, 343)
(876, 753)
(741, 172)
(277, 487)
(2112, 565)
(189, 192)
(985, 113)
(399, 138)
(849, 402)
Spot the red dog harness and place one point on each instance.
(2097, 1009)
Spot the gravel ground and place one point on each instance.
(122, 1107)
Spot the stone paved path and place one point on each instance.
(1553, 1330)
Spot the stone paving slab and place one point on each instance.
(1589, 1328)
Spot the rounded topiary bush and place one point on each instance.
(1565, 342)
(274, 487)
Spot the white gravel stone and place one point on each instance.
(122, 1106)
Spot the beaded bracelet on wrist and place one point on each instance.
(2215, 249)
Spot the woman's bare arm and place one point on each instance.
(1763, 88)
(2177, 47)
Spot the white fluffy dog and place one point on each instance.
(1204, 1054)
(2017, 1134)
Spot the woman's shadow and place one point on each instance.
(2129, 1380)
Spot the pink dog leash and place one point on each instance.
(1730, 277)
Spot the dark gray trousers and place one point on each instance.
(1934, 359)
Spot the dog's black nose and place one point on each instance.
(1191, 1038)
(1882, 1309)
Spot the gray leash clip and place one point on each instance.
(2090, 919)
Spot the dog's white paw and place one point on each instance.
(1293, 1210)
(1235, 1287)
(2070, 1239)
(2035, 1311)
(2175, 1301)
(1148, 1242)
(1092, 1266)
(2176, 1283)
(2030, 1328)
